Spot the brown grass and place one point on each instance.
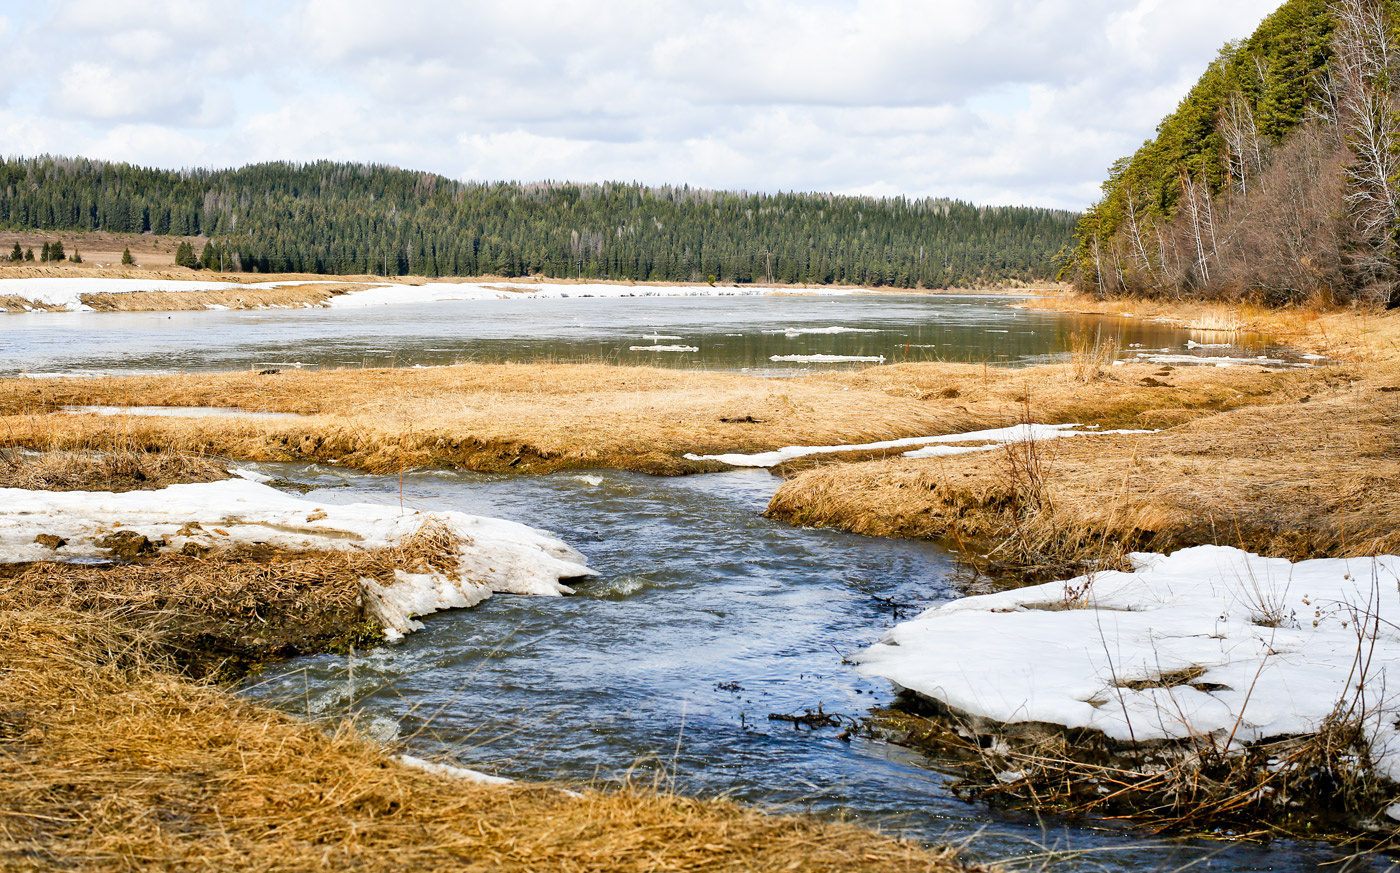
(1319, 476)
(233, 298)
(545, 417)
(117, 468)
(109, 761)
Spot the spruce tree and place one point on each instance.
(29, 254)
(44, 255)
(56, 252)
(75, 257)
(127, 259)
(17, 255)
(184, 256)
(209, 257)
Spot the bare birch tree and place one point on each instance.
(1363, 70)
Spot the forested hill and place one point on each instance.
(1277, 179)
(349, 218)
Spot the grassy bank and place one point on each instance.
(114, 761)
(544, 417)
(1301, 465)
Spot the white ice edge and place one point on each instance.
(1018, 656)
(496, 556)
(450, 771)
(828, 359)
(664, 348)
(990, 439)
(793, 332)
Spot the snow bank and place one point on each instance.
(829, 359)
(496, 556)
(68, 292)
(1276, 646)
(989, 439)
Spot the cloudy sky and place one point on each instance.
(995, 101)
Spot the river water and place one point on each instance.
(727, 333)
(706, 618)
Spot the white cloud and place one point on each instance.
(1023, 101)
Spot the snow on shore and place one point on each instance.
(395, 294)
(68, 292)
(828, 359)
(1260, 648)
(989, 439)
(496, 556)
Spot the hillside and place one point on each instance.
(346, 219)
(1275, 180)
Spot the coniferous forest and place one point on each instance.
(336, 218)
(1277, 179)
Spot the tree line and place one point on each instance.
(1277, 179)
(340, 218)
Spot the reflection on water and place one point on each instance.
(706, 619)
(729, 333)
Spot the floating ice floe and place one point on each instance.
(828, 359)
(664, 348)
(654, 337)
(989, 439)
(462, 774)
(1219, 361)
(1247, 647)
(1192, 344)
(792, 332)
(496, 556)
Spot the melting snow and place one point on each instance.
(1279, 645)
(68, 292)
(496, 556)
(804, 331)
(989, 439)
(664, 348)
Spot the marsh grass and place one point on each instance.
(112, 761)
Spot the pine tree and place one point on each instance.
(127, 259)
(44, 255)
(184, 256)
(56, 252)
(29, 254)
(17, 255)
(209, 257)
(76, 258)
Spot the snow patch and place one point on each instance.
(791, 332)
(496, 556)
(452, 772)
(68, 292)
(397, 294)
(989, 439)
(1271, 647)
(664, 348)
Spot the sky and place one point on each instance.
(994, 101)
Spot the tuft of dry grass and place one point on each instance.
(110, 761)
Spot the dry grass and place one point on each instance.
(109, 761)
(234, 298)
(545, 417)
(1305, 479)
(117, 468)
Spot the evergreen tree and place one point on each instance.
(209, 257)
(29, 254)
(44, 255)
(17, 255)
(184, 256)
(127, 259)
(75, 257)
(56, 252)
